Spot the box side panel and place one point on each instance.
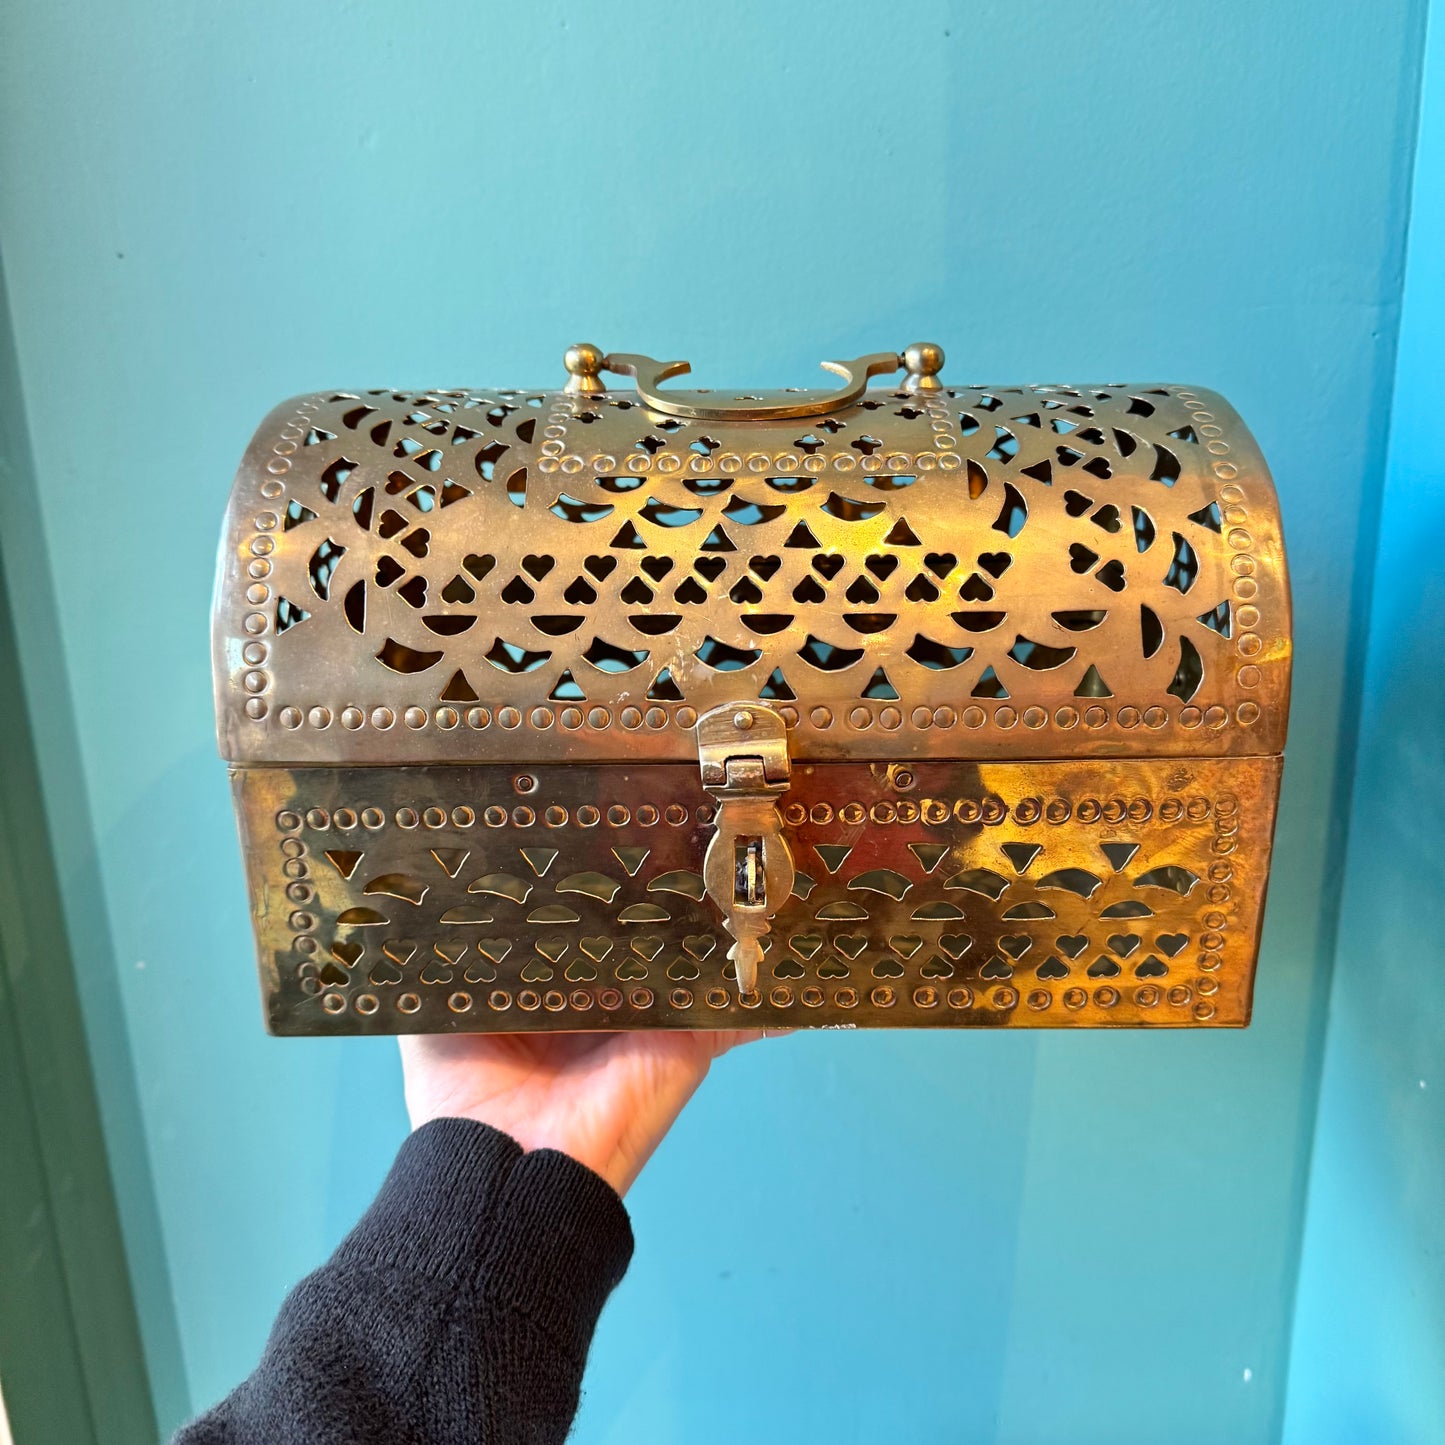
(490, 899)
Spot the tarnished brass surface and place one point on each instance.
(1048, 894)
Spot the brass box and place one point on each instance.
(608, 708)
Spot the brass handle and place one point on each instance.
(585, 364)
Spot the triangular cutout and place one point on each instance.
(1119, 854)
(631, 858)
(879, 687)
(451, 859)
(1218, 619)
(902, 535)
(929, 854)
(801, 536)
(458, 689)
(288, 614)
(567, 689)
(539, 860)
(1021, 854)
(1209, 516)
(776, 688)
(1093, 685)
(989, 686)
(344, 860)
(629, 537)
(718, 541)
(1040, 472)
(832, 854)
(664, 688)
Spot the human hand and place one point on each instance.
(606, 1099)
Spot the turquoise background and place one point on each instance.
(1369, 1336)
(204, 209)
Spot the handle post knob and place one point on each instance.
(923, 360)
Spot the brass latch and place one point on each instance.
(743, 751)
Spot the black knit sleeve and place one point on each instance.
(460, 1308)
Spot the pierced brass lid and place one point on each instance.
(926, 571)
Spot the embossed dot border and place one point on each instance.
(1234, 517)
(253, 676)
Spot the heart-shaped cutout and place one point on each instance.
(850, 944)
(881, 565)
(1103, 967)
(1123, 943)
(536, 971)
(1016, 944)
(955, 945)
(787, 968)
(647, 945)
(450, 953)
(331, 973)
(710, 567)
(828, 565)
(580, 971)
(457, 591)
(905, 944)
(435, 973)
(399, 950)
(480, 972)
(764, 567)
(494, 948)
(937, 967)
(700, 945)
(596, 947)
(994, 563)
(682, 970)
(996, 967)
(552, 948)
(383, 974)
(346, 954)
(940, 563)
(1111, 574)
(1072, 944)
(888, 968)
(805, 945)
(600, 567)
(537, 566)
(832, 968)
(656, 567)
(1172, 943)
(1052, 968)
(1151, 967)
(630, 969)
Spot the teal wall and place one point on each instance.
(206, 208)
(1369, 1337)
